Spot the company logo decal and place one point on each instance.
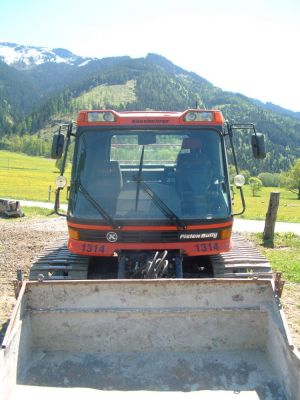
(208, 235)
(112, 237)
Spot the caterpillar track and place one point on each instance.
(243, 261)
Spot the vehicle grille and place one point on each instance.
(139, 236)
(132, 237)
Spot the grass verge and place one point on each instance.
(32, 212)
(284, 256)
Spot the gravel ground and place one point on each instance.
(22, 240)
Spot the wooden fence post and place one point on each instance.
(49, 192)
(271, 215)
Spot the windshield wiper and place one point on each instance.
(138, 180)
(97, 206)
(160, 203)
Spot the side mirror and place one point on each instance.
(258, 145)
(57, 145)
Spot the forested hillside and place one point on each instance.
(18, 95)
(45, 99)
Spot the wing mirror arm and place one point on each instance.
(57, 203)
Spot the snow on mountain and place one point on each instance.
(25, 57)
(84, 63)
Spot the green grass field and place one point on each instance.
(257, 206)
(29, 178)
(25, 177)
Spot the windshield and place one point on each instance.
(149, 175)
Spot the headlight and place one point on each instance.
(101, 116)
(239, 180)
(61, 182)
(191, 116)
(108, 117)
(203, 116)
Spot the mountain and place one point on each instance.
(51, 69)
(277, 109)
(18, 95)
(44, 93)
(32, 75)
(26, 57)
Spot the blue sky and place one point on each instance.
(251, 47)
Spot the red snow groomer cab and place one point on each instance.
(149, 182)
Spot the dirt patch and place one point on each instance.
(22, 240)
